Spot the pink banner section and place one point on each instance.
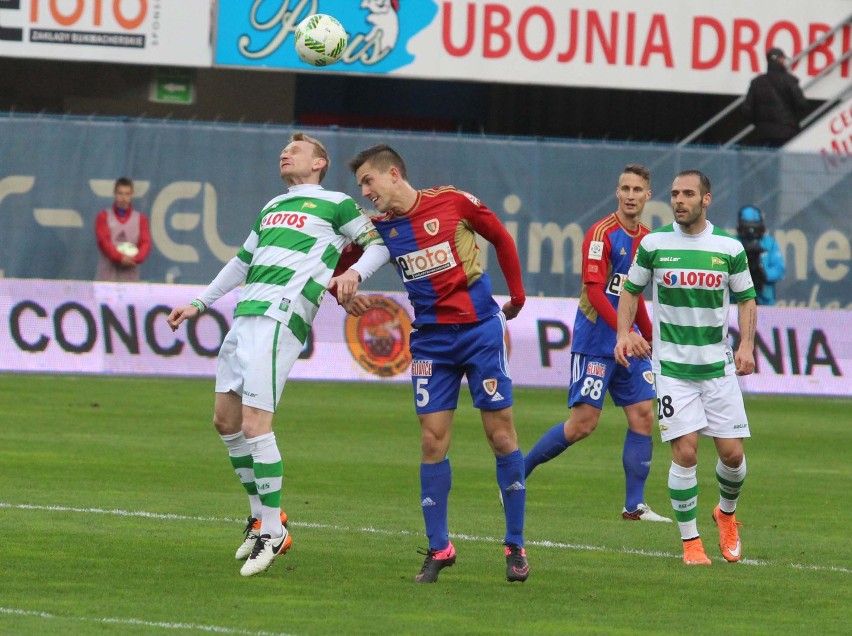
(110, 328)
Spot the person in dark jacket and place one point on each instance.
(774, 102)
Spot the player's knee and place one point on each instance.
(580, 426)
(503, 441)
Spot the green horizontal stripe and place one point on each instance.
(687, 335)
(244, 255)
(692, 371)
(244, 461)
(270, 275)
(729, 496)
(330, 257)
(313, 291)
(251, 308)
(729, 484)
(686, 515)
(682, 297)
(683, 495)
(266, 471)
(287, 238)
(299, 327)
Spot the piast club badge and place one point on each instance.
(378, 340)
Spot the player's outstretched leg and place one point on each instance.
(551, 445)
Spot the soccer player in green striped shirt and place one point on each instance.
(694, 266)
(286, 265)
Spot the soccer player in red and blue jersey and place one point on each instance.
(608, 251)
(459, 330)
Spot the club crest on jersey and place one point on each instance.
(431, 226)
(596, 369)
(596, 250)
(649, 377)
(490, 386)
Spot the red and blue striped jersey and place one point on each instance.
(435, 253)
(608, 251)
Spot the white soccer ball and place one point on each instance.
(320, 39)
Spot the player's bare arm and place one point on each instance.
(345, 285)
(627, 305)
(747, 322)
(179, 314)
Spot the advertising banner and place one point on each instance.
(79, 327)
(160, 32)
(666, 45)
(202, 186)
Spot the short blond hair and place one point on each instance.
(319, 150)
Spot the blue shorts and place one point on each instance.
(441, 355)
(593, 376)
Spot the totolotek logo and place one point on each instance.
(426, 262)
(707, 280)
(87, 22)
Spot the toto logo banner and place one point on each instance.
(130, 31)
(86, 327)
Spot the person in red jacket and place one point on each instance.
(124, 239)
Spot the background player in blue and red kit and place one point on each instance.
(608, 251)
(459, 330)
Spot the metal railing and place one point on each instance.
(803, 53)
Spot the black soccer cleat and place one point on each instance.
(517, 566)
(435, 561)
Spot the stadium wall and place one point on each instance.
(105, 328)
(203, 184)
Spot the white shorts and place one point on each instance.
(712, 407)
(255, 359)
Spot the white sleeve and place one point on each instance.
(230, 277)
(371, 260)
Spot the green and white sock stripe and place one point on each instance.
(244, 467)
(730, 484)
(685, 503)
(268, 479)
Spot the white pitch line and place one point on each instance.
(133, 621)
(370, 530)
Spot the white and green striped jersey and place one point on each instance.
(292, 251)
(693, 276)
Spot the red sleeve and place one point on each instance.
(596, 259)
(144, 239)
(597, 296)
(350, 255)
(486, 223)
(643, 321)
(104, 239)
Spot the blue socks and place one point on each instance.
(435, 483)
(510, 478)
(551, 445)
(636, 459)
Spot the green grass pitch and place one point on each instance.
(119, 514)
